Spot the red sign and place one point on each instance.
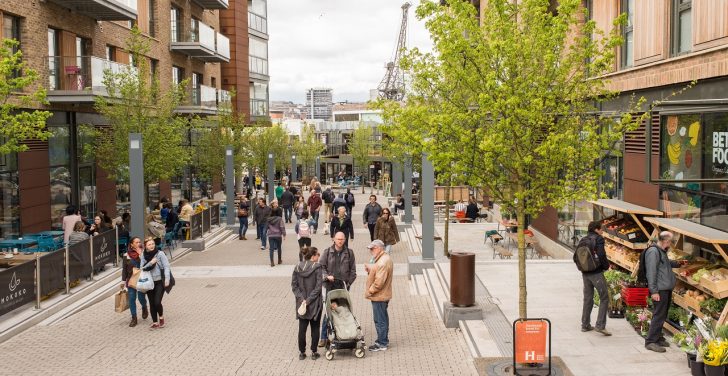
(531, 338)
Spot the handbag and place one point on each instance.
(167, 289)
(145, 282)
(134, 279)
(121, 301)
(242, 212)
(302, 308)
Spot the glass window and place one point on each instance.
(53, 63)
(682, 32)
(175, 26)
(258, 48)
(628, 34)
(178, 74)
(258, 7)
(152, 17)
(11, 27)
(716, 150)
(681, 149)
(195, 30)
(9, 196)
(714, 211)
(59, 147)
(680, 203)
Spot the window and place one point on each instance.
(195, 30)
(196, 90)
(176, 26)
(59, 149)
(258, 99)
(178, 74)
(110, 53)
(53, 60)
(9, 196)
(152, 17)
(682, 26)
(258, 62)
(628, 34)
(257, 23)
(153, 69)
(11, 30)
(258, 7)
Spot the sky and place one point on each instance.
(341, 44)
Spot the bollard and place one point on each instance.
(37, 280)
(68, 272)
(462, 279)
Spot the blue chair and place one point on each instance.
(170, 238)
(123, 245)
(46, 243)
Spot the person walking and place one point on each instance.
(339, 265)
(243, 213)
(300, 207)
(276, 233)
(336, 204)
(350, 202)
(342, 223)
(595, 280)
(306, 285)
(132, 261)
(287, 200)
(157, 263)
(261, 215)
(303, 230)
(378, 290)
(328, 198)
(371, 213)
(279, 190)
(314, 205)
(660, 282)
(386, 230)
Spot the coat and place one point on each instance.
(379, 279)
(371, 213)
(346, 265)
(386, 231)
(306, 285)
(343, 225)
(261, 214)
(287, 199)
(276, 228)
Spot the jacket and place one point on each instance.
(243, 205)
(128, 269)
(600, 253)
(658, 269)
(328, 196)
(279, 191)
(171, 221)
(186, 212)
(338, 202)
(287, 199)
(346, 270)
(77, 237)
(162, 262)
(261, 214)
(311, 223)
(472, 212)
(343, 225)
(379, 279)
(349, 199)
(306, 284)
(372, 213)
(314, 203)
(386, 231)
(276, 228)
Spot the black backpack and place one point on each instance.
(585, 256)
(641, 268)
(327, 196)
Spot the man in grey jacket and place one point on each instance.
(660, 281)
(338, 264)
(371, 213)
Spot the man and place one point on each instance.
(336, 204)
(350, 201)
(461, 206)
(261, 215)
(314, 205)
(399, 204)
(328, 198)
(371, 213)
(379, 291)
(338, 264)
(595, 280)
(660, 281)
(279, 190)
(287, 199)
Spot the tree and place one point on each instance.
(269, 140)
(16, 125)
(137, 104)
(359, 147)
(308, 146)
(514, 99)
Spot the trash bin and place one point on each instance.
(462, 279)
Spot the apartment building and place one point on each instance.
(70, 43)
(319, 102)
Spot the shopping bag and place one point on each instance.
(145, 282)
(121, 301)
(302, 308)
(136, 272)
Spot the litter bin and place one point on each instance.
(462, 279)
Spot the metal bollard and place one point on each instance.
(91, 252)
(37, 281)
(68, 272)
(462, 279)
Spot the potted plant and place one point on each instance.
(715, 356)
(689, 342)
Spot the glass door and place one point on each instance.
(87, 190)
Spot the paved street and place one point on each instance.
(232, 314)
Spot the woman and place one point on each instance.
(79, 234)
(304, 228)
(154, 229)
(471, 211)
(131, 261)
(276, 233)
(300, 207)
(386, 230)
(342, 223)
(97, 227)
(69, 221)
(243, 212)
(155, 262)
(306, 285)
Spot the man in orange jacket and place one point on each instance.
(379, 291)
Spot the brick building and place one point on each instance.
(71, 43)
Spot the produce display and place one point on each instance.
(624, 228)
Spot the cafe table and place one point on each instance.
(17, 243)
(18, 259)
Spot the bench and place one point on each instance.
(493, 236)
(502, 252)
(540, 252)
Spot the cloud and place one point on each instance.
(341, 44)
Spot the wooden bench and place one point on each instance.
(493, 236)
(502, 252)
(540, 252)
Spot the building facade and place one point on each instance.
(70, 44)
(319, 102)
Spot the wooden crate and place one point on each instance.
(686, 302)
(718, 288)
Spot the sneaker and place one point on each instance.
(663, 343)
(302, 356)
(604, 332)
(377, 347)
(161, 323)
(262, 248)
(315, 356)
(587, 328)
(655, 347)
(154, 326)
(322, 343)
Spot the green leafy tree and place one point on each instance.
(308, 147)
(269, 140)
(360, 149)
(17, 126)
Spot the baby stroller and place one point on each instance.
(344, 330)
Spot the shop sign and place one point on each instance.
(720, 152)
(104, 248)
(17, 286)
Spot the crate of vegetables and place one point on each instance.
(716, 281)
(635, 296)
(691, 300)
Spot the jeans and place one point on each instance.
(659, 315)
(133, 296)
(591, 282)
(243, 226)
(275, 244)
(315, 216)
(262, 233)
(327, 210)
(371, 230)
(381, 322)
(302, 327)
(398, 207)
(287, 212)
(155, 300)
(301, 243)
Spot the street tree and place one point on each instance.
(308, 147)
(269, 140)
(508, 104)
(16, 92)
(360, 149)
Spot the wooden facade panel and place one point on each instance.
(649, 30)
(547, 223)
(143, 15)
(642, 194)
(710, 23)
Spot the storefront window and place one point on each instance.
(680, 204)
(681, 147)
(714, 212)
(574, 219)
(9, 197)
(716, 151)
(60, 172)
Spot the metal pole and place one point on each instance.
(271, 178)
(91, 252)
(116, 236)
(68, 272)
(229, 185)
(294, 169)
(318, 168)
(427, 204)
(251, 181)
(408, 190)
(396, 178)
(136, 184)
(37, 280)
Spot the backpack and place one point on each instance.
(641, 268)
(585, 258)
(304, 230)
(350, 198)
(327, 196)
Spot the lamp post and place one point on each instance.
(271, 177)
(136, 184)
(229, 186)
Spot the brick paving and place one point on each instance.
(218, 325)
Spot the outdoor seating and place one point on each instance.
(493, 236)
(502, 252)
(540, 252)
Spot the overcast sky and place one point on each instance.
(341, 44)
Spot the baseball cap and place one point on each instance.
(376, 243)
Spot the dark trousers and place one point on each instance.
(315, 216)
(591, 282)
(155, 300)
(659, 315)
(262, 232)
(301, 243)
(371, 230)
(275, 244)
(303, 325)
(243, 226)
(287, 212)
(398, 207)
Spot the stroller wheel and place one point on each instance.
(329, 355)
(359, 353)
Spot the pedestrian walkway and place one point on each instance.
(231, 313)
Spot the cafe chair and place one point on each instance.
(47, 244)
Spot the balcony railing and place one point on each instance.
(74, 79)
(212, 4)
(206, 100)
(201, 42)
(102, 10)
(257, 23)
(259, 107)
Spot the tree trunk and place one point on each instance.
(522, 295)
(447, 219)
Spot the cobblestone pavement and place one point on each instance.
(222, 325)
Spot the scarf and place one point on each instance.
(133, 254)
(148, 256)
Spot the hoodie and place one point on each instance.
(306, 285)
(338, 202)
(276, 228)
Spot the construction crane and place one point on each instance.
(392, 85)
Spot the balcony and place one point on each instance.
(78, 79)
(257, 23)
(206, 100)
(102, 10)
(212, 4)
(258, 108)
(202, 43)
